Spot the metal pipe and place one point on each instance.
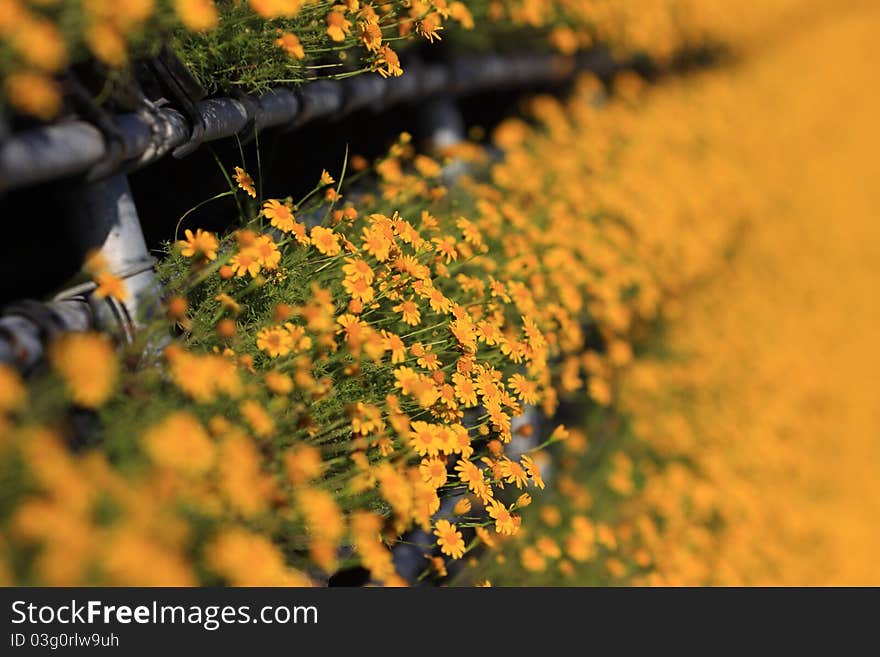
(27, 326)
(106, 219)
(74, 147)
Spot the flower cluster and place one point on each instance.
(257, 44)
(389, 359)
(332, 381)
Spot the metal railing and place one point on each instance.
(75, 147)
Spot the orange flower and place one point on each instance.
(525, 389)
(338, 26)
(110, 286)
(358, 268)
(267, 252)
(279, 215)
(201, 243)
(12, 389)
(325, 240)
(449, 539)
(533, 469)
(387, 63)
(245, 182)
(276, 8)
(370, 35)
(258, 418)
(359, 289)
(433, 471)
(197, 15)
(377, 243)
(396, 346)
(409, 312)
(246, 261)
(33, 94)
(179, 442)
(87, 363)
(290, 44)
(275, 341)
(505, 522)
(512, 472)
(423, 438)
(429, 27)
(462, 507)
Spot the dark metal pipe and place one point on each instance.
(74, 147)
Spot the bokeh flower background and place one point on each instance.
(627, 338)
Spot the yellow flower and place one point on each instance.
(246, 261)
(257, 417)
(245, 182)
(429, 27)
(33, 94)
(275, 341)
(203, 377)
(228, 303)
(87, 364)
(107, 44)
(533, 469)
(512, 472)
(303, 463)
(465, 333)
(12, 389)
(246, 488)
(395, 345)
(526, 390)
(325, 240)
(338, 26)
(179, 442)
(201, 243)
(197, 15)
(387, 63)
(377, 243)
(433, 471)
(276, 8)
(449, 539)
(429, 361)
(110, 286)
(532, 560)
(279, 383)
(409, 312)
(564, 39)
(462, 507)
(290, 44)
(365, 528)
(370, 35)
(244, 558)
(323, 518)
(357, 268)
(464, 389)
(505, 522)
(459, 12)
(126, 551)
(40, 44)
(468, 472)
(423, 438)
(267, 252)
(523, 501)
(548, 547)
(358, 288)
(279, 215)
